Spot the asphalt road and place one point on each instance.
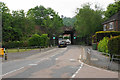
(54, 63)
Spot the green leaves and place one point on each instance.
(69, 21)
(103, 45)
(112, 9)
(88, 21)
(37, 40)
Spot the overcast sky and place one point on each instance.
(63, 7)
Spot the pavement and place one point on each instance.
(99, 60)
(55, 63)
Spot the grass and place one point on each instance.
(16, 50)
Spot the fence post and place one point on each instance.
(6, 50)
(18, 49)
(25, 48)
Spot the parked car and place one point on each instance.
(62, 44)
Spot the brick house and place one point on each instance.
(113, 23)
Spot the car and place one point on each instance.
(68, 41)
(62, 44)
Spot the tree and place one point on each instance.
(37, 13)
(112, 9)
(47, 19)
(69, 21)
(88, 21)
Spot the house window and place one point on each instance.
(104, 27)
(111, 25)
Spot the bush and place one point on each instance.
(34, 40)
(13, 44)
(103, 45)
(114, 45)
(37, 40)
(44, 40)
(101, 34)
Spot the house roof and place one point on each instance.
(113, 18)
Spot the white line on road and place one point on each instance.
(12, 71)
(33, 64)
(77, 70)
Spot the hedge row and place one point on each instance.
(101, 34)
(114, 45)
(35, 40)
(14, 44)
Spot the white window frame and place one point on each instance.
(105, 27)
(111, 25)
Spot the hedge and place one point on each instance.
(114, 45)
(13, 44)
(37, 40)
(101, 34)
(34, 40)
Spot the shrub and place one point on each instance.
(101, 34)
(44, 40)
(103, 45)
(34, 40)
(37, 40)
(13, 44)
(114, 45)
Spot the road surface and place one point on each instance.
(54, 63)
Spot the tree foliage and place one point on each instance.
(47, 19)
(88, 21)
(112, 9)
(19, 26)
(69, 21)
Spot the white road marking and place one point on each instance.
(72, 60)
(41, 60)
(12, 71)
(56, 59)
(80, 57)
(77, 70)
(33, 64)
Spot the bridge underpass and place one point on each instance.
(72, 34)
